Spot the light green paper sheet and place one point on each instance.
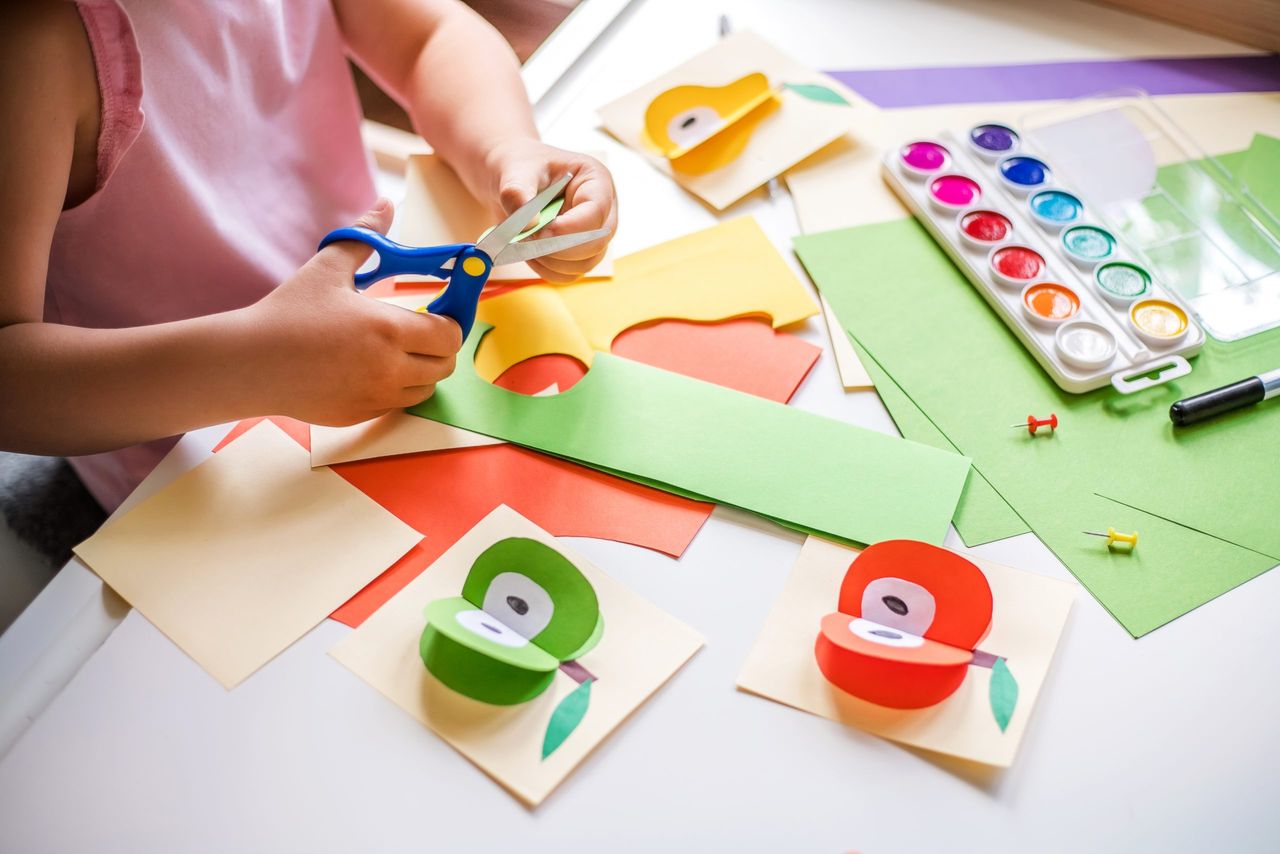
(812, 473)
(931, 331)
(982, 516)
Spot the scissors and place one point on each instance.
(465, 266)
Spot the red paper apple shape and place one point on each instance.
(908, 619)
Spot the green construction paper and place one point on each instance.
(814, 92)
(692, 437)
(548, 213)
(566, 717)
(519, 581)
(934, 335)
(982, 516)
(1259, 171)
(1003, 693)
(477, 666)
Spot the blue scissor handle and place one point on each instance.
(471, 269)
(394, 259)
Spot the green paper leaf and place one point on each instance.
(566, 717)
(1003, 694)
(691, 437)
(814, 92)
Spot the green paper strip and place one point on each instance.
(695, 438)
(982, 516)
(963, 368)
(566, 717)
(548, 213)
(814, 92)
(1003, 693)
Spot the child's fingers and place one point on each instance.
(346, 256)
(567, 269)
(428, 335)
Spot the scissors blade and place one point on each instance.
(526, 249)
(495, 241)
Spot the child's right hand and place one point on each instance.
(330, 355)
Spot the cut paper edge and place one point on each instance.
(853, 375)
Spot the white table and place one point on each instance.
(1167, 743)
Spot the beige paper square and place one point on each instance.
(1030, 611)
(795, 131)
(388, 436)
(853, 376)
(438, 209)
(247, 552)
(641, 648)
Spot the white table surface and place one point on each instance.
(1168, 743)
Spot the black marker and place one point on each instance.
(1229, 397)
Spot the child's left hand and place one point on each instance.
(522, 167)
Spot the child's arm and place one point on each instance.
(461, 84)
(313, 348)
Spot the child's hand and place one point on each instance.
(330, 355)
(523, 166)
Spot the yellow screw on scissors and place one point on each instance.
(1113, 536)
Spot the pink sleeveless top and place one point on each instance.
(230, 145)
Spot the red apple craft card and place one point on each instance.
(914, 643)
(731, 118)
(519, 653)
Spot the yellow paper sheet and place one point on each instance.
(247, 552)
(841, 186)
(642, 647)
(1029, 614)
(438, 209)
(853, 376)
(796, 129)
(728, 270)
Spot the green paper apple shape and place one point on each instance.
(525, 610)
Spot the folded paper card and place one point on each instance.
(731, 118)
(728, 270)
(803, 470)
(245, 553)
(438, 209)
(914, 643)
(518, 652)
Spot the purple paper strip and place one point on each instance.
(969, 84)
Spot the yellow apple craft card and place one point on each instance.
(518, 653)
(914, 643)
(731, 118)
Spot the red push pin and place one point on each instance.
(1033, 424)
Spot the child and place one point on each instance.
(166, 172)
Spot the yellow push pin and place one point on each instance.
(1113, 536)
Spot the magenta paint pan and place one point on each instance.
(924, 158)
(953, 192)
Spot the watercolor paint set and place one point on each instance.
(1086, 307)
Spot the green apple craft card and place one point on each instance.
(731, 118)
(518, 653)
(914, 643)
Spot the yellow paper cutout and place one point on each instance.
(701, 128)
(728, 270)
(795, 127)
